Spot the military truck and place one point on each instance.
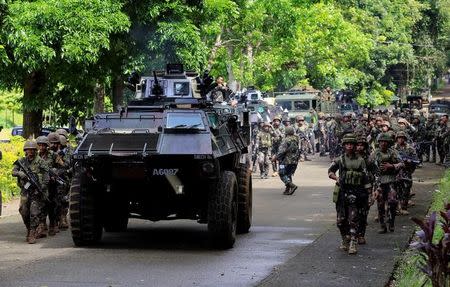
(170, 154)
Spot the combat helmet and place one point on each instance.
(401, 134)
(299, 118)
(277, 118)
(53, 138)
(362, 139)
(289, 131)
(62, 140)
(62, 132)
(385, 137)
(42, 140)
(30, 144)
(349, 138)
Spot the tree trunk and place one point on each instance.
(32, 116)
(117, 92)
(212, 56)
(232, 83)
(99, 98)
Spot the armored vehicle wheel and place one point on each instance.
(85, 220)
(222, 211)
(245, 199)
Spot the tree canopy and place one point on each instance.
(67, 54)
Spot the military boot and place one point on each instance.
(345, 243)
(361, 240)
(292, 188)
(383, 229)
(352, 248)
(286, 190)
(63, 225)
(391, 227)
(40, 231)
(52, 230)
(28, 235)
(31, 239)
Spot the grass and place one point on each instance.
(407, 273)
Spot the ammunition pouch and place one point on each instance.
(352, 177)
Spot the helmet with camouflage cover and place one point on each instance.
(338, 117)
(362, 139)
(386, 123)
(289, 131)
(53, 138)
(62, 132)
(42, 140)
(277, 118)
(62, 140)
(321, 115)
(402, 121)
(401, 134)
(349, 138)
(299, 118)
(30, 144)
(385, 137)
(347, 115)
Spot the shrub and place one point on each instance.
(11, 151)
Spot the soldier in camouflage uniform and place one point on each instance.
(388, 165)
(301, 129)
(32, 201)
(65, 153)
(353, 193)
(408, 155)
(430, 133)
(362, 150)
(264, 145)
(288, 156)
(441, 135)
(277, 137)
(321, 134)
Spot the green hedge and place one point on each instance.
(408, 274)
(11, 151)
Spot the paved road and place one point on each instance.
(176, 253)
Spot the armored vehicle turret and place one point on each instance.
(170, 154)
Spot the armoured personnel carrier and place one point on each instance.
(170, 154)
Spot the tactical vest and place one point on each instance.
(351, 172)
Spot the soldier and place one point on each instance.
(388, 165)
(408, 155)
(430, 145)
(353, 192)
(362, 150)
(441, 135)
(301, 129)
(47, 156)
(264, 145)
(277, 137)
(33, 181)
(288, 156)
(65, 154)
(321, 134)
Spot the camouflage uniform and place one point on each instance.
(441, 136)
(32, 202)
(302, 133)
(430, 133)
(288, 156)
(65, 154)
(352, 196)
(386, 183)
(405, 176)
(264, 143)
(277, 137)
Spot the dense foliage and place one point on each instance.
(11, 152)
(67, 55)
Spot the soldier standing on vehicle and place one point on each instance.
(352, 194)
(277, 137)
(288, 156)
(264, 144)
(32, 174)
(408, 155)
(388, 165)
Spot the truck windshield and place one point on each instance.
(286, 105)
(184, 120)
(181, 88)
(302, 105)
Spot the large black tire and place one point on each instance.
(245, 200)
(85, 214)
(222, 211)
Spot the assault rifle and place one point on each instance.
(57, 178)
(33, 180)
(408, 158)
